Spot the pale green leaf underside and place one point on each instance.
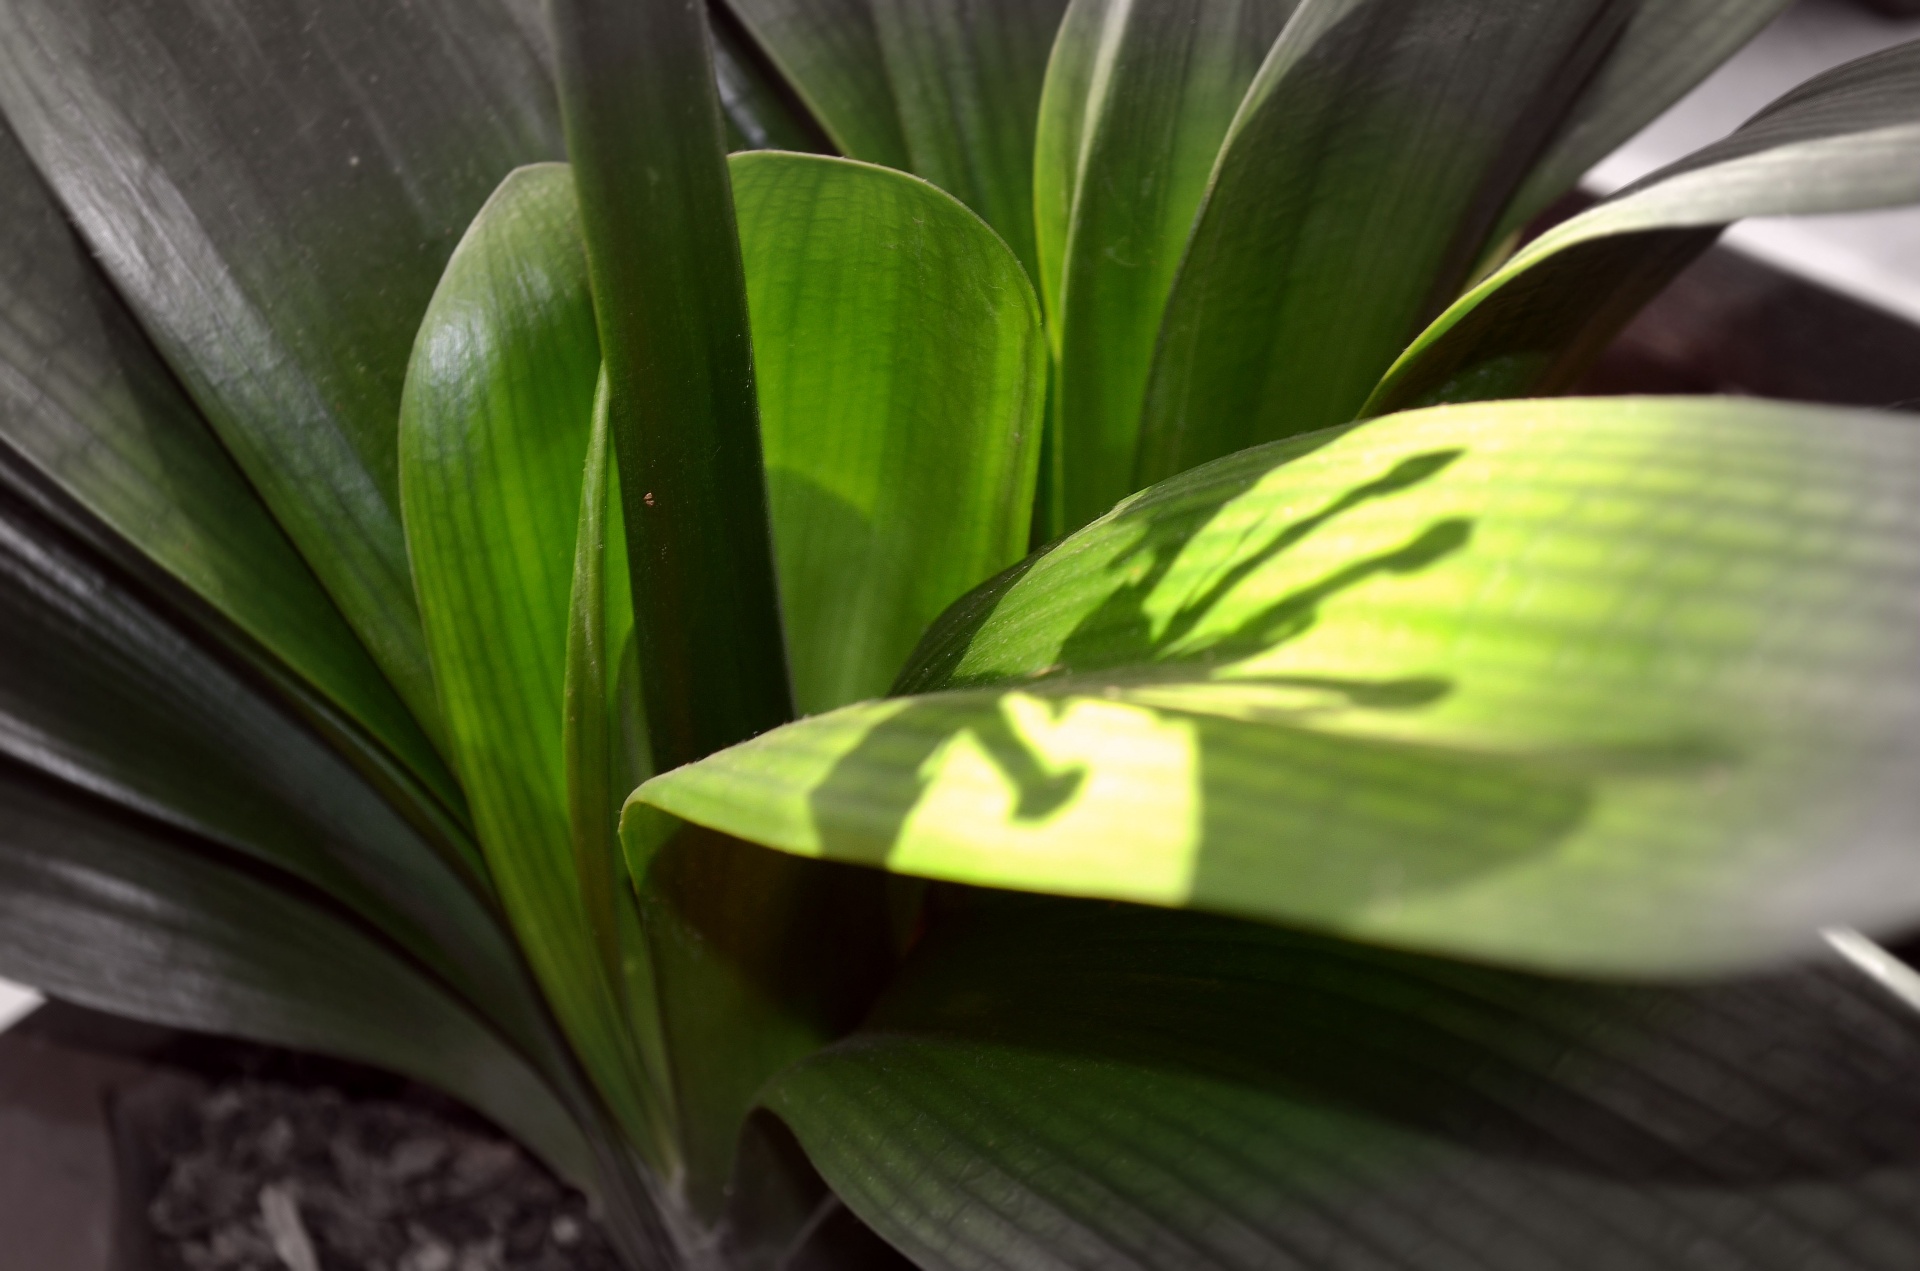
(901, 373)
(1607, 686)
(1847, 141)
(1081, 1086)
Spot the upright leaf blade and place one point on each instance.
(494, 433)
(1162, 84)
(901, 378)
(1096, 1086)
(189, 146)
(1598, 686)
(1845, 141)
(643, 130)
(829, 51)
(1372, 156)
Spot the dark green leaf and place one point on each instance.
(117, 913)
(762, 111)
(1138, 100)
(1846, 141)
(902, 375)
(275, 190)
(644, 133)
(1599, 685)
(829, 50)
(1374, 152)
(494, 431)
(1072, 1086)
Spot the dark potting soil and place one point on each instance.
(259, 1175)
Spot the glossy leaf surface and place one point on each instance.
(86, 401)
(1096, 1086)
(275, 190)
(1846, 141)
(114, 912)
(1138, 100)
(902, 376)
(1611, 686)
(645, 140)
(1373, 155)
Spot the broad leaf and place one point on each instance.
(115, 912)
(1846, 141)
(102, 691)
(494, 432)
(649, 163)
(1373, 155)
(902, 377)
(1072, 1086)
(1668, 46)
(275, 190)
(1138, 101)
(88, 404)
(1618, 686)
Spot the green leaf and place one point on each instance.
(762, 111)
(1138, 101)
(1076, 1086)
(644, 134)
(102, 691)
(829, 51)
(902, 375)
(966, 77)
(494, 438)
(1374, 153)
(1846, 141)
(275, 191)
(118, 913)
(1667, 48)
(88, 404)
(1608, 686)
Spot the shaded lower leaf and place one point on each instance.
(1066, 1085)
(762, 110)
(115, 912)
(902, 376)
(1615, 685)
(1846, 141)
(829, 51)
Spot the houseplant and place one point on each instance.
(385, 501)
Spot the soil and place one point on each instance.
(261, 1175)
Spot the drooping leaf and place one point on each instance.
(1139, 99)
(1667, 48)
(275, 189)
(100, 690)
(649, 162)
(829, 51)
(1077, 1086)
(89, 405)
(494, 431)
(116, 912)
(1846, 141)
(902, 376)
(966, 78)
(1611, 686)
(1375, 151)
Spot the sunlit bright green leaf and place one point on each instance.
(1077, 1086)
(902, 376)
(117, 913)
(1372, 157)
(274, 189)
(1847, 141)
(1138, 100)
(493, 443)
(1620, 686)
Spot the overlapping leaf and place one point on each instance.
(902, 375)
(1077, 1086)
(1596, 685)
(1846, 141)
(274, 191)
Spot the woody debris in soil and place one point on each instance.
(269, 1177)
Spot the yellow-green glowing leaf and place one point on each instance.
(1610, 686)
